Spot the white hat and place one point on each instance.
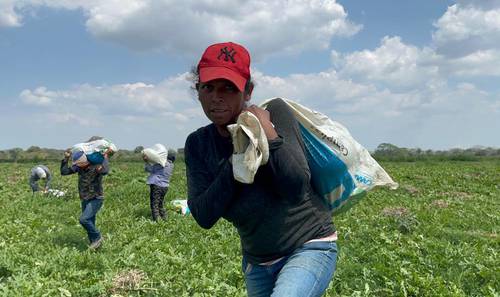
(40, 172)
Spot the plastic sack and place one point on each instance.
(250, 147)
(99, 145)
(157, 154)
(94, 150)
(181, 206)
(341, 169)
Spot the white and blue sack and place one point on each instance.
(342, 170)
(92, 152)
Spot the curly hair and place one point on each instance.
(195, 79)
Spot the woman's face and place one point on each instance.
(222, 102)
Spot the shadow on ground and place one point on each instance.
(74, 240)
(142, 213)
(4, 273)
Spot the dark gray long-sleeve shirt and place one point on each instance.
(34, 178)
(89, 179)
(274, 215)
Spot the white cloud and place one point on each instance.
(403, 67)
(394, 63)
(484, 4)
(13, 11)
(8, 15)
(164, 112)
(124, 99)
(419, 96)
(466, 28)
(467, 39)
(264, 26)
(68, 118)
(329, 93)
(495, 106)
(324, 88)
(40, 96)
(186, 26)
(434, 115)
(478, 63)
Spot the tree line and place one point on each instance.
(383, 152)
(391, 152)
(38, 154)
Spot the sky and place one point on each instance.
(417, 74)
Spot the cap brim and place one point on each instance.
(211, 73)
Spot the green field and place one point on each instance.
(437, 235)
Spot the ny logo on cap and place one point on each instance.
(228, 54)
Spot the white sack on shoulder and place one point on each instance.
(250, 147)
(340, 167)
(100, 145)
(157, 154)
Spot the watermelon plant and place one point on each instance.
(437, 235)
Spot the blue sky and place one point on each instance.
(413, 73)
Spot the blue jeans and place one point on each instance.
(87, 218)
(306, 272)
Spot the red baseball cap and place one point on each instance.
(226, 60)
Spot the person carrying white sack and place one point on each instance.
(40, 172)
(90, 190)
(160, 165)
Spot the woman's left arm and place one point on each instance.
(287, 162)
(290, 173)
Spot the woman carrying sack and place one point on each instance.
(159, 178)
(287, 235)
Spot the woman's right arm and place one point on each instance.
(208, 196)
(65, 169)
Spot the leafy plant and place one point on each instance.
(392, 243)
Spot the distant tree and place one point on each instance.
(4, 156)
(33, 149)
(15, 154)
(386, 147)
(138, 149)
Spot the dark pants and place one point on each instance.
(87, 218)
(156, 197)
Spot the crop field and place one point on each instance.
(437, 235)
